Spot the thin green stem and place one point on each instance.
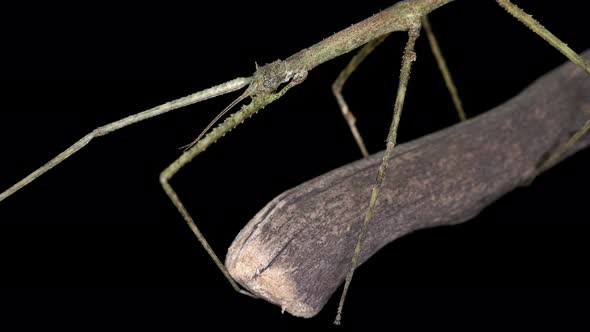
(258, 102)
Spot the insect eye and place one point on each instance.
(268, 84)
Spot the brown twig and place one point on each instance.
(295, 252)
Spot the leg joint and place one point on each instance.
(337, 86)
(164, 177)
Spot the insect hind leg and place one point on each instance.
(562, 47)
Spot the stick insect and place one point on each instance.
(182, 142)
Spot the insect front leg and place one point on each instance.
(258, 102)
(211, 92)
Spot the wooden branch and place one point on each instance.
(296, 251)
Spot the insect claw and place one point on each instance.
(245, 292)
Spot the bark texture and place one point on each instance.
(297, 250)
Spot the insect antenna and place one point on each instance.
(214, 121)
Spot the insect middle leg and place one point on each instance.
(339, 84)
(408, 58)
(358, 58)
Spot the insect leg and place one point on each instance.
(339, 84)
(540, 30)
(442, 66)
(257, 103)
(212, 92)
(407, 59)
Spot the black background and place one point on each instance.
(95, 242)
